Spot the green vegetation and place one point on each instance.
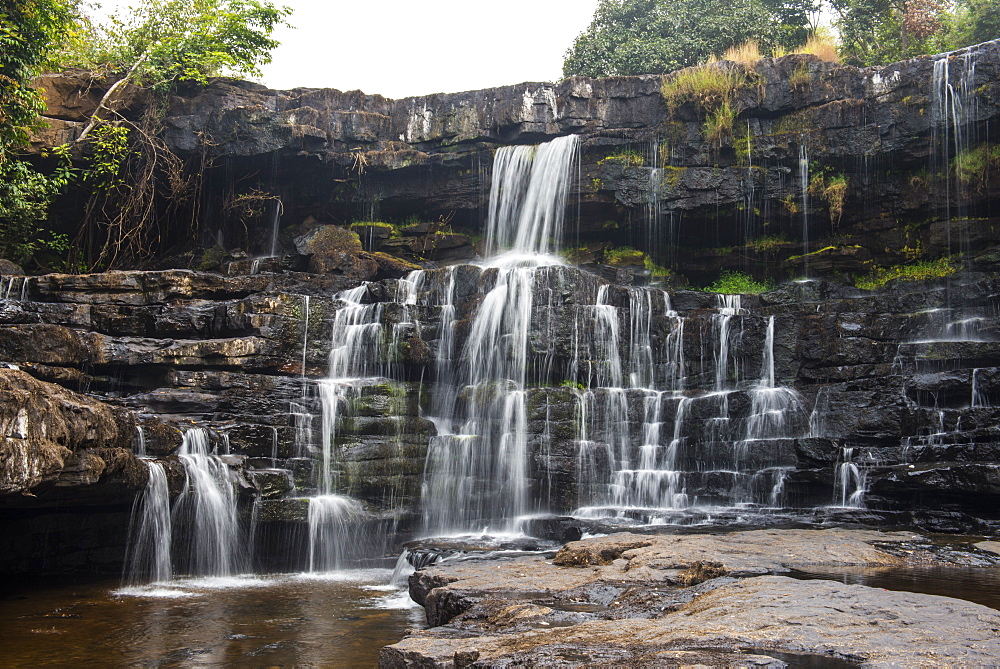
(800, 77)
(657, 36)
(712, 89)
(918, 271)
(731, 283)
(393, 230)
(768, 243)
(29, 32)
(627, 158)
(974, 167)
(151, 46)
(656, 271)
(831, 189)
(624, 256)
(876, 32)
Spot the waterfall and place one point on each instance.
(147, 557)
(528, 201)
(850, 481)
(728, 307)
(275, 227)
(979, 398)
(331, 521)
(206, 509)
(140, 441)
(804, 185)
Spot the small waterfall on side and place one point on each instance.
(850, 482)
(275, 227)
(804, 196)
(206, 511)
(979, 398)
(147, 558)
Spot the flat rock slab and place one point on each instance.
(865, 625)
(621, 560)
(750, 552)
(628, 599)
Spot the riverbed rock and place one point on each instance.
(811, 618)
(624, 599)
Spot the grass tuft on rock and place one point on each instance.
(738, 283)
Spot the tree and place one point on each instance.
(29, 32)
(143, 196)
(877, 32)
(161, 42)
(975, 21)
(654, 36)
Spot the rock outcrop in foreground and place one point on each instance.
(681, 600)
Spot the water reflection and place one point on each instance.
(333, 620)
(974, 584)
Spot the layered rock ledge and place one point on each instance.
(676, 600)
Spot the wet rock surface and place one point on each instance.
(425, 157)
(635, 611)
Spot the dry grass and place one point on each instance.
(708, 86)
(747, 53)
(822, 45)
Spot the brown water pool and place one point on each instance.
(334, 620)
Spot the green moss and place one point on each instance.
(212, 258)
(657, 271)
(918, 271)
(974, 167)
(628, 158)
(624, 256)
(672, 176)
(797, 122)
(731, 283)
(768, 243)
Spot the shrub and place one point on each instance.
(973, 167)
(731, 283)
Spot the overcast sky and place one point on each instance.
(400, 48)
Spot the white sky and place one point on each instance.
(400, 48)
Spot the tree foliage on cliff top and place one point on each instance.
(159, 42)
(656, 36)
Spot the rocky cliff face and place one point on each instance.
(880, 404)
(652, 176)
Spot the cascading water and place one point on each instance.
(503, 369)
(804, 196)
(148, 555)
(211, 542)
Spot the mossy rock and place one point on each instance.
(327, 240)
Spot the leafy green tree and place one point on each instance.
(653, 36)
(29, 32)
(877, 32)
(160, 42)
(975, 21)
